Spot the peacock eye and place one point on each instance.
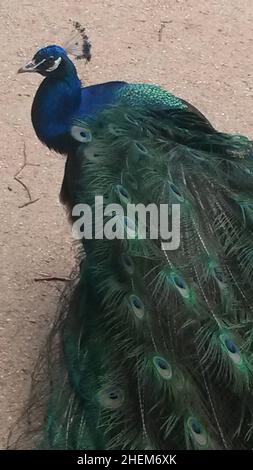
(163, 367)
(176, 192)
(197, 432)
(49, 62)
(136, 306)
(127, 263)
(181, 285)
(232, 349)
(111, 397)
(123, 194)
(231, 346)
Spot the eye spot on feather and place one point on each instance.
(136, 306)
(180, 285)
(127, 263)
(139, 155)
(163, 367)
(232, 349)
(123, 194)
(176, 192)
(231, 346)
(91, 153)
(197, 432)
(141, 148)
(81, 134)
(111, 398)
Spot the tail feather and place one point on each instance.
(157, 343)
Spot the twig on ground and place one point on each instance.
(52, 278)
(28, 203)
(16, 178)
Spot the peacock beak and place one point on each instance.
(30, 67)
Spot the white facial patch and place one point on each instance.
(55, 65)
(39, 63)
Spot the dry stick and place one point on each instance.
(52, 278)
(24, 186)
(28, 203)
(16, 178)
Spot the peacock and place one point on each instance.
(155, 345)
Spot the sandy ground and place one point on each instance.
(203, 54)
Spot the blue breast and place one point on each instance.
(58, 103)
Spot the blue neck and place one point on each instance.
(55, 104)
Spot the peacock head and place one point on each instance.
(54, 60)
(50, 60)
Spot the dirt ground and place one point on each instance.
(203, 53)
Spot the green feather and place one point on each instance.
(158, 344)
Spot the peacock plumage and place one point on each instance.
(155, 345)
